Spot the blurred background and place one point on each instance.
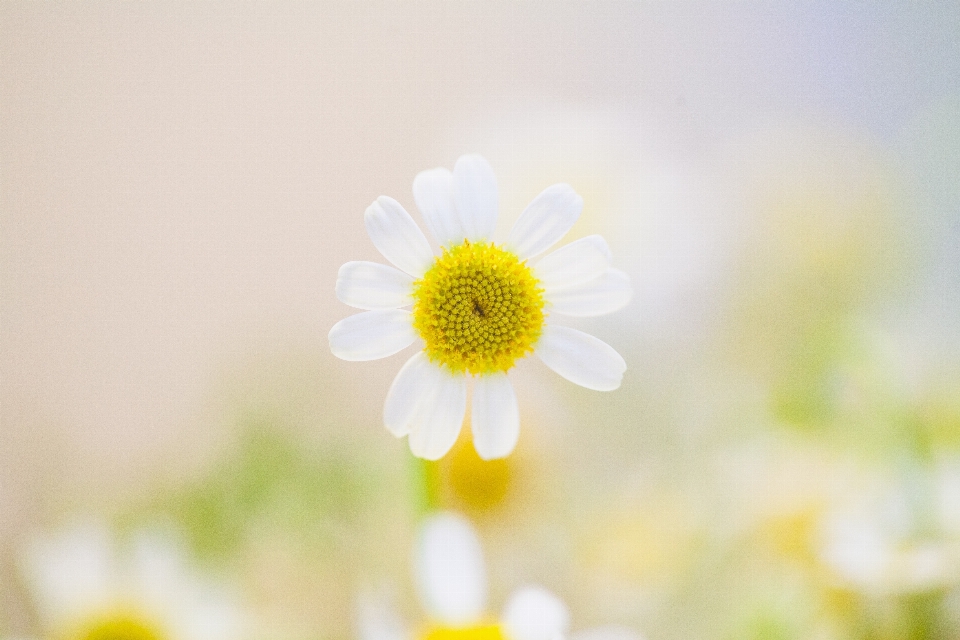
(179, 184)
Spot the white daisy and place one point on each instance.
(452, 584)
(85, 588)
(896, 542)
(478, 307)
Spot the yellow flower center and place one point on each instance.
(120, 626)
(463, 481)
(478, 308)
(478, 632)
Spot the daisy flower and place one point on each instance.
(452, 584)
(478, 307)
(884, 549)
(86, 588)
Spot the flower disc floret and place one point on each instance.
(473, 632)
(120, 627)
(478, 308)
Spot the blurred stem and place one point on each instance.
(426, 485)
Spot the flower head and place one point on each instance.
(86, 589)
(452, 583)
(478, 307)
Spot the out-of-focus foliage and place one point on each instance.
(298, 526)
(271, 480)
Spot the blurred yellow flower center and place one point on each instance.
(478, 308)
(462, 480)
(793, 535)
(479, 632)
(480, 484)
(118, 627)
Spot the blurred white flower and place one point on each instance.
(452, 583)
(948, 496)
(889, 546)
(88, 588)
(479, 307)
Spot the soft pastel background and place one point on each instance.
(179, 184)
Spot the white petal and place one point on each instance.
(377, 619)
(415, 381)
(439, 415)
(607, 632)
(581, 358)
(450, 570)
(495, 416)
(206, 611)
(157, 559)
(533, 613)
(580, 261)
(475, 194)
(397, 236)
(370, 285)
(71, 573)
(433, 193)
(606, 294)
(857, 550)
(545, 220)
(372, 335)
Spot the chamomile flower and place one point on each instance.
(452, 584)
(478, 307)
(85, 588)
(893, 546)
